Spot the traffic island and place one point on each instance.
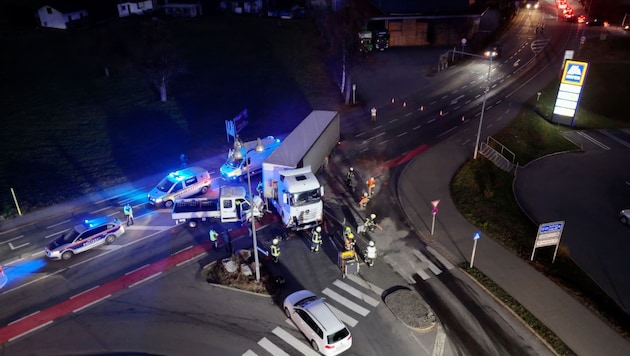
(409, 308)
(237, 272)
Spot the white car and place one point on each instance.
(85, 236)
(321, 327)
(624, 216)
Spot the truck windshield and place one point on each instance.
(308, 197)
(233, 163)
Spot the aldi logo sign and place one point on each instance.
(574, 73)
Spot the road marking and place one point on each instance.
(137, 269)
(13, 239)
(99, 210)
(417, 127)
(85, 291)
(447, 131)
(54, 234)
(586, 136)
(290, 323)
(144, 280)
(33, 281)
(440, 341)
(355, 292)
(92, 303)
(30, 331)
(426, 260)
(359, 134)
(57, 224)
(24, 317)
(252, 353)
(270, 347)
(18, 246)
(373, 137)
(377, 127)
(346, 302)
(615, 138)
(440, 258)
(182, 250)
(454, 101)
(367, 285)
(291, 340)
(146, 227)
(407, 114)
(393, 120)
(347, 319)
(402, 134)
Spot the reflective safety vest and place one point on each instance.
(275, 250)
(213, 235)
(371, 252)
(371, 183)
(317, 237)
(128, 210)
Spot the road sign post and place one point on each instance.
(476, 237)
(434, 212)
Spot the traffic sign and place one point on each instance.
(435, 203)
(582, 39)
(434, 211)
(477, 235)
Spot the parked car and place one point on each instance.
(321, 327)
(624, 216)
(85, 236)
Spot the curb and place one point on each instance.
(218, 285)
(418, 329)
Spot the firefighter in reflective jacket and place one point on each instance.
(316, 239)
(275, 251)
(128, 210)
(364, 200)
(370, 254)
(349, 243)
(213, 235)
(371, 184)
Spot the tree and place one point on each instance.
(158, 56)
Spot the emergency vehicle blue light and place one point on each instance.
(21, 270)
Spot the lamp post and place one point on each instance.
(238, 154)
(483, 109)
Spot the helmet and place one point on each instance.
(351, 236)
(371, 243)
(365, 194)
(275, 241)
(372, 216)
(318, 229)
(351, 169)
(348, 229)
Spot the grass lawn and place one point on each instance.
(68, 130)
(483, 193)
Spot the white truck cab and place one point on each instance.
(180, 184)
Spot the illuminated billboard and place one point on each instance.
(568, 97)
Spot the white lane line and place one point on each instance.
(137, 269)
(356, 293)
(144, 280)
(393, 120)
(593, 140)
(24, 317)
(182, 250)
(402, 134)
(383, 142)
(90, 304)
(430, 121)
(426, 260)
(417, 127)
(377, 127)
(359, 134)
(99, 210)
(615, 138)
(365, 284)
(346, 302)
(440, 341)
(13, 239)
(145, 227)
(440, 258)
(54, 234)
(33, 281)
(347, 319)
(85, 291)
(57, 224)
(379, 135)
(291, 340)
(447, 131)
(407, 114)
(250, 352)
(271, 347)
(30, 331)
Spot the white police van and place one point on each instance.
(85, 236)
(179, 185)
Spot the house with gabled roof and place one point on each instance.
(134, 7)
(62, 14)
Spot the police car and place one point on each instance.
(85, 236)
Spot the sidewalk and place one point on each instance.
(578, 327)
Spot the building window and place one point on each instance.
(49, 10)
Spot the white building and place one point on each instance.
(134, 7)
(182, 8)
(60, 16)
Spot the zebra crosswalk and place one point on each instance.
(410, 262)
(350, 299)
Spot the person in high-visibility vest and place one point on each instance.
(370, 223)
(275, 251)
(364, 200)
(214, 239)
(128, 210)
(316, 239)
(370, 254)
(373, 114)
(349, 243)
(371, 184)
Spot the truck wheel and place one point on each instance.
(204, 190)
(168, 204)
(192, 224)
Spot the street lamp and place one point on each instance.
(483, 109)
(238, 154)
